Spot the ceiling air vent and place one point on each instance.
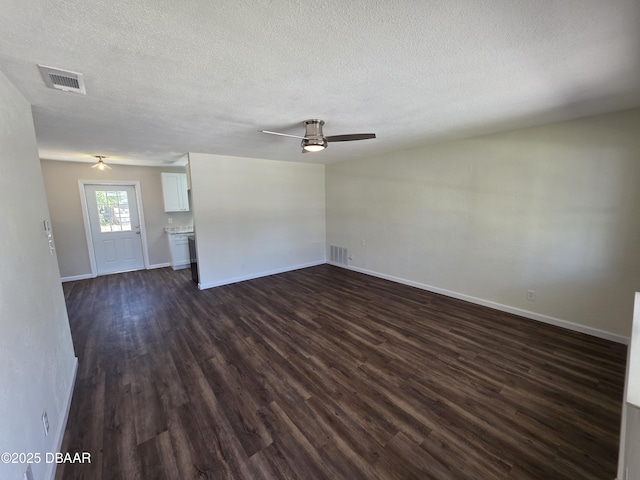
(63, 79)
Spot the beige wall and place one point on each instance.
(37, 361)
(63, 194)
(554, 209)
(255, 217)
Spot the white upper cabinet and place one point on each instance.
(174, 191)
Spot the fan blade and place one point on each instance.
(348, 138)
(282, 134)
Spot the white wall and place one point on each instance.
(554, 209)
(255, 217)
(37, 362)
(628, 459)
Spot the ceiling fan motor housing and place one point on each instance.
(313, 135)
(313, 128)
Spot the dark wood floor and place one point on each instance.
(324, 373)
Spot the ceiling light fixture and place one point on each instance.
(101, 165)
(314, 144)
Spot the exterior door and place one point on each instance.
(115, 228)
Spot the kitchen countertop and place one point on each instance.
(182, 229)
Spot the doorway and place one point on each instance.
(114, 226)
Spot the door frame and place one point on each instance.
(87, 227)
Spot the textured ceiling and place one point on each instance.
(167, 77)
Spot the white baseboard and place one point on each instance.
(181, 266)
(62, 426)
(228, 281)
(89, 275)
(77, 277)
(158, 265)
(497, 306)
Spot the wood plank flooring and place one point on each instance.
(324, 373)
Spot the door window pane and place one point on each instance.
(113, 210)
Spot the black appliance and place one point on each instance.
(193, 257)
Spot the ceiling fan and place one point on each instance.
(315, 141)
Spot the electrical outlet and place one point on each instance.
(531, 295)
(169, 220)
(45, 423)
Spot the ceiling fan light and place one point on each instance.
(314, 144)
(313, 148)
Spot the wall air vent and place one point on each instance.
(63, 79)
(338, 254)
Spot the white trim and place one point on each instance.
(622, 450)
(90, 275)
(87, 227)
(77, 277)
(62, 426)
(143, 228)
(258, 275)
(158, 265)
(497, 306)
(631, 395)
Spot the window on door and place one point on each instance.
(113, 210)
